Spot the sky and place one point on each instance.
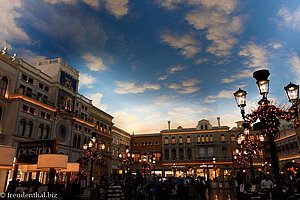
(146, 62)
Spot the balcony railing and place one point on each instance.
(33, 96)
(89, 120)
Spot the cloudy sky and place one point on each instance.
(149, 61)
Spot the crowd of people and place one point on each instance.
(140, 188)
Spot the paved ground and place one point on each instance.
(220, 194)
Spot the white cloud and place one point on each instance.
(173, 70)
(163, 78)
(93, 3)
(290, 19)
(10, 31)
(201, 60)
(153, 115)
(187, 43)
(131, 87)
(275, 45)
(96, 100)
(185, 87)
(225, 94)
(227, 6)
(257, 54)
(121, 117)
(221, 29)
(94, 63)
(30, 57)
(239, 75)
(186, 112)
(217, 19)
(169, 4)
(86, 80)
(294, 60)
(118, 8)
(174, 86)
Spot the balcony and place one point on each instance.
(33, 96)
(86, 119)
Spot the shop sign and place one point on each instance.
(28, 152)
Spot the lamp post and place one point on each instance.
(248, 149)
(127, 160)
(214, 163)
(92, 154)
(268, 113)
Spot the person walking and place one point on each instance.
(115, 191)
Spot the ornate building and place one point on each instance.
(193, 150)
(42, 102)
(121, 141)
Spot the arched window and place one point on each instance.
(22, 127)
(224, 151)
(181, 154)
(166, 140)
(173, 140)
(101, 127)
(30, 124)
(188, 139)
(232, 138)
(41, 131)
(180, 140)
(3, 86)
(78, 141)
(174, 154)
(202, 152)
(210, 151)
(189, 153)
(223, 138)
(167, 155)
(198, 139)
(211, 138)
(105, 128)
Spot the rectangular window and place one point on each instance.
(31, 111)
(30, 80)
(232, 138)
(198, 139)
(24, 77)
(202, 138)
(173, 140)
(25, 108)
(46, 88)
(166, 141)
(188, 140)
(211, 138)
(223, 138)
(207, 139)
(41, 85)
(43, 114)
(48, 116)
(180, 140)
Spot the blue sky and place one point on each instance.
(147, 62)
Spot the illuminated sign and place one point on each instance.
(29, 151)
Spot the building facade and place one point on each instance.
(42, 102)
(193, 151)
(148, 147)
(120, 142)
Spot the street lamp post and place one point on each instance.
(248, 149)
(91, 154)
(127, 160)
(268, 113)
(214, 163)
